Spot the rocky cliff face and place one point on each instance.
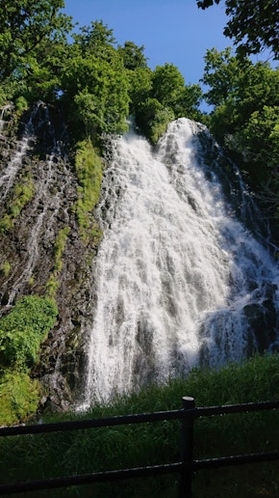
(42, 251)
(38, 192)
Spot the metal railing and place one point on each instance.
(186, 466)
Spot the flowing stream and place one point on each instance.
(177, 275)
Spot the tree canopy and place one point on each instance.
(24, 24)
(245, 117)
(252, 24)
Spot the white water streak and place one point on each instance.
(9, 174)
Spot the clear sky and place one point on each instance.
(173, 31)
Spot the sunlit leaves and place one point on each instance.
(23, 26)
(252, 24)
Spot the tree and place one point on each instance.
(133, 56)
(161, 97)
(95, 83)
(24, 24)
(41, 78)
(94, 38)
(253, 24)
(168, 87)
(245, 117)
(221, 72)
(140, 85)
(239, 85)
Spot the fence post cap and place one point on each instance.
(188, 402)
(188, 399)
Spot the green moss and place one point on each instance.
(5, 268)
(89, 170)
(6, 223)
(22, 194)
(59, 247)
(52, 286)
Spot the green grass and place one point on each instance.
(84, 451)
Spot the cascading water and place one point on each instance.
(177, 277)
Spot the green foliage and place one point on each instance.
(160, 97)
(24, 329)
(89, 169)
(95, 83)
(19, 397)
(253, 25)
(246, 116)
(140, 85)
(21, 105)
(22, 332)
(47, 62)
(133, 56)
(262, 127)
(6, 223)
(23, 26)
(167, 85)
(221, 73)
(153, 119)
(94, 38)
(23, 193)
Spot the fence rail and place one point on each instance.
(186, 467)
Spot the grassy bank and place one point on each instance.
(85, 451)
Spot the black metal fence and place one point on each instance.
(186, 466)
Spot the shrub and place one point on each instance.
(24, 329)
(19, 397)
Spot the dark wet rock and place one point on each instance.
(28, 247)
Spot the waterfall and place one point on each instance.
(177, 277)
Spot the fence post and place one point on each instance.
(186, 441)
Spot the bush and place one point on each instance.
(24, 329)
(19, 397)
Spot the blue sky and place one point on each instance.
(173, 31)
